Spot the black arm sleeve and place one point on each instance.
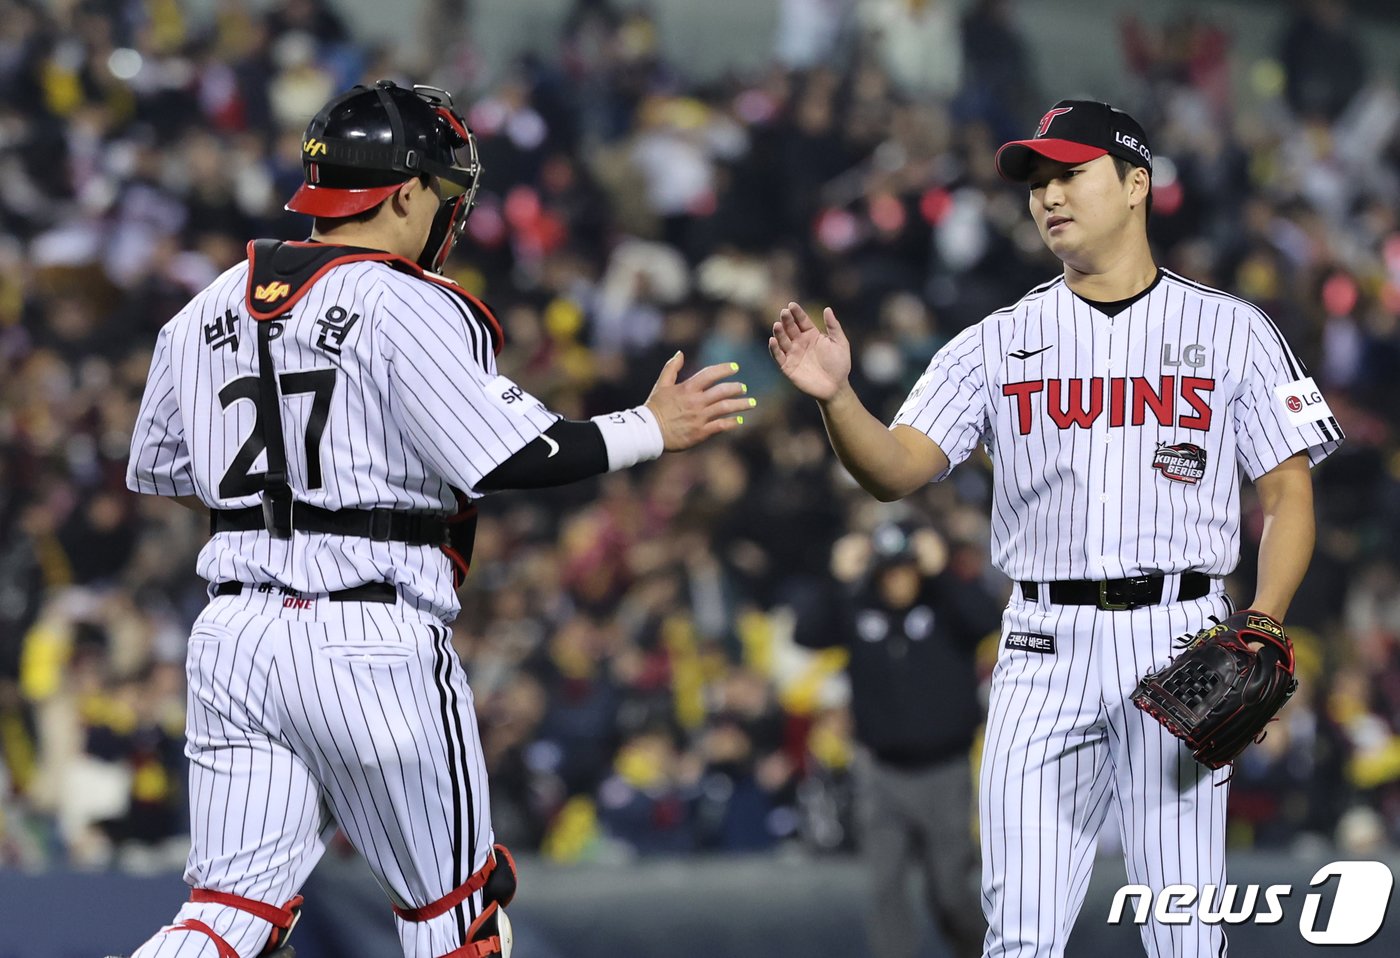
(568, 451)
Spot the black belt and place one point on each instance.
(1116, 595)
(369, 592)
(380, 525)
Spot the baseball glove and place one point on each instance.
(1218, 694)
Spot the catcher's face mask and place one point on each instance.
(367, 143)
(456, 184)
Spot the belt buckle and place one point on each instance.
(277, 516)
(380, 524)
(1108, 606)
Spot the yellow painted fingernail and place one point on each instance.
(740, 420)
(752, 403)
(734, 367)
(743, 387)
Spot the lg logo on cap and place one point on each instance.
(1132, 143)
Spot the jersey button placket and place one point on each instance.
(1112, 467)
(1110, 344)
(1087, 449)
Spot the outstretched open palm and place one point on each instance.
(818, 363)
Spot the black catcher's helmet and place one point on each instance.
(368, 142)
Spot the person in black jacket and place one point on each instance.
(911, 628)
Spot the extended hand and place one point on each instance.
(818, 363)
(692, 411)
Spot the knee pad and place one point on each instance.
(501, 883)
(491, 933)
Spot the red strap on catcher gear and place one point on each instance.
(453, 898)
(195, 925)
(475, 949)
(461, 538)
(280, 918)
(479, 943)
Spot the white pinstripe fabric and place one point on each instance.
(355, 713)
(418, 406)
(1074, 404)
(1062, 743)
(1083, 502)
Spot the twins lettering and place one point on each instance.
(1070, 403)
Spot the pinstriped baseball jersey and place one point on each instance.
(390, 396)
(1117, 440)
(1118, 433)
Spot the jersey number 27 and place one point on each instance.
(320, 383)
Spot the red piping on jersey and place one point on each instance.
(397, 262)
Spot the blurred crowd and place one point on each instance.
(629, 639)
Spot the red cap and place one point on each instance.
(333, 203)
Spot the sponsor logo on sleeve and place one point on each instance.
(512, 397)
(1302, 402)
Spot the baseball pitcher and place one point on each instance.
(1120, 404)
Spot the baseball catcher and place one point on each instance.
(1226, 685)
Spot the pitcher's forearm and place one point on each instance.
(873, 455)
(1286, 545)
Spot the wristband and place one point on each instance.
(631, 436)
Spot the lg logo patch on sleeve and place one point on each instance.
(1301, 402)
